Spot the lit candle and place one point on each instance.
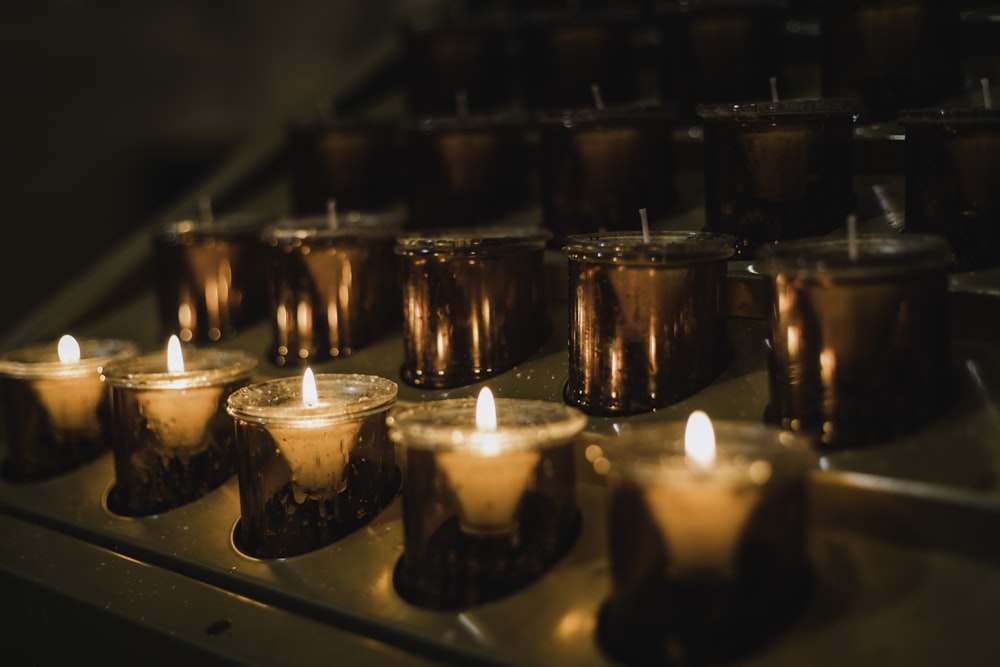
(489, 501)
(314, 459)
(473, 303)
(860, 346)
(56, 405)
(707, 536)
(170, 434)
(333, 284)
(647, 321)
(778, 170)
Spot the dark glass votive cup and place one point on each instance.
(473, 303)
(56, 406)
(356, 163)
(210, 277)
(485, 512)
(952, 169)
(171, 437)
(708, 561)
(860, 347)
(311, 472)
(463, 171)
(597, 168)
(647, 318)
(778, 170)
(333, 290)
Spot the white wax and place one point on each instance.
(71, 403)
(180, 417)
(316, 456)
(701, 522)
(488, 487)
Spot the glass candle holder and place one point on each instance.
(707, 549)
(209, 276)
(647, 319)
(170, 434)
(467, 170)
(485, 511)
(860, 347)
(778, 170)
(55, 405)
(563, 53)
(597, 168)
(890, 56)
(356, 163)
(952, 164)
(311, 470)
(716, 51)
(333, 290)
(473, 303)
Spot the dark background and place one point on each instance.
(111, 110)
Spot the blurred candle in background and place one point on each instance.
(778, 170)
(859, 346)
(209, 276)
(473, 303)
(314, 459)
(55, 405)
(333, 285)
(170, 434)
(647, 319)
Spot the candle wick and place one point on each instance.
(462, 104)
(852, 237)
(331, 213)
(595, 90)
(205, 209)
(774, 88)
(645, 225)
(987, 98)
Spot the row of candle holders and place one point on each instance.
(887, 55)
(706, 542)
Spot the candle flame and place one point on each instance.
(310, 396)
(175, 357)
(699, 440)
(69, 349)
(486, 410)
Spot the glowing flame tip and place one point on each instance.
(175, 356)
(486, 410)
(699, 440)
(310, 396)
(69, 349)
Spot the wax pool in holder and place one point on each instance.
(952, 169)
(314, 460)
(210, 280)
(489, 499)
(55, 404)
(647, 321)
(599, 166)
(332, 283)
(170, 434)
(778, 170)
(859, 335)
(473, 302)
(706, 538)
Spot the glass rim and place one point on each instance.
(946, 115)
(203, 368)
(472, 241)
(783, 109)
(350, 224)
(40, 361)
(278, 400)
(449, 424)
(663, 247)
(237, 225)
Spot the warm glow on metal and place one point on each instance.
(69, 349)
(310, 396)
(486, 410)
(175, 358)
(699, 440)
